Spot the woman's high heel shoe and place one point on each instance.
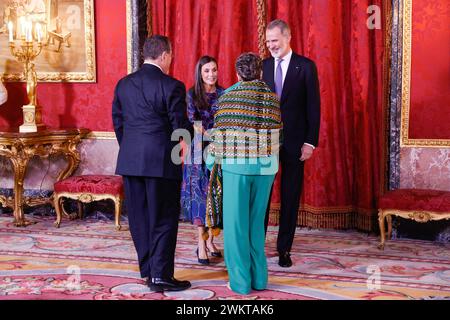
(202, 261)
(216, 254)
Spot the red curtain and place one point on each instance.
(206, 27)
(342, 181)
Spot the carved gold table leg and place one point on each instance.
(382, 231)
(73, 160)
(20, 167)
(7, 201)
(20, 147)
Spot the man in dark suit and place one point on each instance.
(148, 107)
(294, 79)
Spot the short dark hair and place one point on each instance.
(154, 46)
(281, 24)
(249, 66)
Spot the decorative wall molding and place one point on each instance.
(135, 35)
(129, 36)
(395, 94)
(405, 141)
(149, 18)
(385, 156)
(102, 135)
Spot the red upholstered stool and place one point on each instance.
(86, 189)
(416, 204)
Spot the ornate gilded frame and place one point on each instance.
(405, 141)
(89, 74)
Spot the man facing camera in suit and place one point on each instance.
(294, 79)
(148, 107)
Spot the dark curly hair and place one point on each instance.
(249, 66)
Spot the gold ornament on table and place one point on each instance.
(25, 49)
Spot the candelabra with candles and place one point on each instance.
(26, 52)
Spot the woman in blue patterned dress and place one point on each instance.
(202, 100)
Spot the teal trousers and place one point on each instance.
(245, 199)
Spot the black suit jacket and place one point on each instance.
(148, 106)
(300, 102)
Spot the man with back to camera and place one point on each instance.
(294, 79)
(148, 107)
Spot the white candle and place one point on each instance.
(26, 31)
(10, 28)
(30, 31)
(23, 27)
(38, 32)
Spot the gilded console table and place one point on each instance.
(19, 148)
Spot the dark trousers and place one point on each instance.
(153, 206)
(292, 170)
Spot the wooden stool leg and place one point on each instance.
(80, 209)
(57, 205)
(118, 212)
(382, 232)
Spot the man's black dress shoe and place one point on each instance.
(171, 284)
(285, 260)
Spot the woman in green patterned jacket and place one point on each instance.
(246, 141)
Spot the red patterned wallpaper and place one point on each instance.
(81, 104)
(430, 70)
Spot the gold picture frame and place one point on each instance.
(68, 53)
(405, 141)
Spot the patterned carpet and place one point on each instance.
(89, 260)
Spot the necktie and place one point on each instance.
(279, 79)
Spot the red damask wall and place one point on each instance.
(81, 104)
(430, 69)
